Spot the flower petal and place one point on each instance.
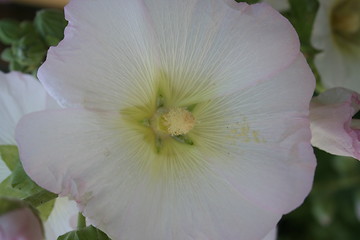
(118, 189)
(208, 47)
(115, 65)
(19, 94)
(331, 122)
(193, 46)
(265, 137)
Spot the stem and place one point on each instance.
(81, 223)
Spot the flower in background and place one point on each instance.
(18, 221)
(336, 33)
(181, 120)
(280, 5)
(21, 94)
(332, 127)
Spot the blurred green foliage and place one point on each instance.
(331, 211)
(29, 41)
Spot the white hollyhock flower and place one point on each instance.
(185, 119)
(21, 94)
(333, 129)
(336, 33)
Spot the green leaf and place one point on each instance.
(7, 190)
(50, 23)
(15, 66)
(45, 209)
(29, 50)
(21, 181)
(7, 55)
(10, 31)
(10, 155)
(18, 184)
(28, 28)
(88, 233)
(9, 204)
(41, 197)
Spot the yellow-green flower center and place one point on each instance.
(161, 123)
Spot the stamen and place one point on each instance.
(178, 121)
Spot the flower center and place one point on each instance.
(346, 24)
(178, 121)
(345, 20)
(172, 122)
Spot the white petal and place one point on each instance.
(119, 189)
(62, 218)
(208, 46)
(211, 48)
(106, 58)
(19, 94)
(265, 133)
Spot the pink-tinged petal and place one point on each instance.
(200, 46)
(217, 49)
(62, 218)
(332, 127)
(57, 127)
(19, 94)
(110, 174)
(107, 56)
(20, 224)
(109, 168)
(265, 134)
